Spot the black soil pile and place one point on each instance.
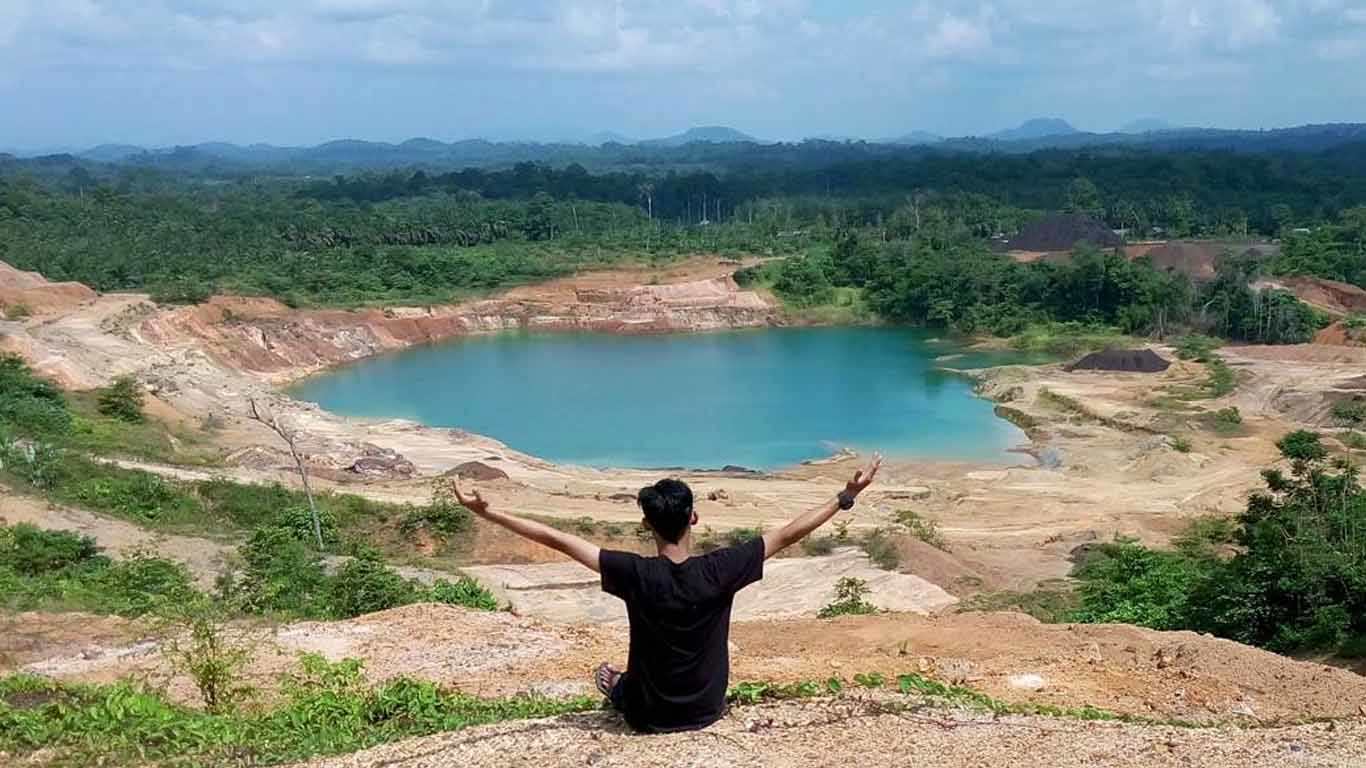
(1063, 232)
(1127, 360)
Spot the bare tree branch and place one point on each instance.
(290, 436)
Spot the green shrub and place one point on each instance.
(923, 528)
(1050, 606)
(17, 311)
(141, 584)
(1127, 583)
(1196, 347)
(32, 551)
(366, 585)
(1355, 441)
(818, 545)
(128, 493)
(280, 574)
(881, 549)
(30, 406)
(849, 599)
(1180, 443)
(198, 643)
(1356, 321)
(1350, 412)
(298, 520)
(1221, 379)
(737, 536)
(464, 591)
(122, 399)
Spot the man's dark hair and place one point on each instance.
(668, 507)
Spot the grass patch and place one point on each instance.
(1068, 339)
(1197, 347)
(817, 546)
(1047, 605)
(880, 547)
(63, 571)
(923, 528)
(1076, 409)
(1225, 421)
(327, 709)
(1180, 443)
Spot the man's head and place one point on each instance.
(668, 509)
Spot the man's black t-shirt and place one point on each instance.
(680, 628)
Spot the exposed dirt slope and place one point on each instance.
(265, 337)
(1125, 669)
(34, 293)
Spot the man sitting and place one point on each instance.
(678, 605)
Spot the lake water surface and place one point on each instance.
(759, 398)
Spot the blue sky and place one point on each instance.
(81, 72)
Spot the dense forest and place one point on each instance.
(916, 233)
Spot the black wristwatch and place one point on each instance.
(846, 500)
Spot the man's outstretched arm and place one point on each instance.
(794, 531)
(585, 552)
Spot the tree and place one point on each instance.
(1083, 197)
(122, 399)
(291, 438)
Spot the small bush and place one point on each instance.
(1221, 380)
(443, 518)
(818, 545)
(280, 574)
(849, 599)
(882, 550)
(1046, 605)
(464, 591)
(32, 551)
(30, 406)
(142, 584)
(1350, 412)
(737, 536)
(1196, 347)
(17, 311)
(923, 528)
(1180, 444)
(123, 400)
(198, 643)
(1355, 441)
(366, 585)
(298, 520)
(135, 494)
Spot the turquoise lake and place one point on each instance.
(759, 398)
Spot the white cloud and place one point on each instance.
(954, 36)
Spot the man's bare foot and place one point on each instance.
(606, 678)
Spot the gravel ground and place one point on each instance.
(852, 731)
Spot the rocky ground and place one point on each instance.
(865, 732)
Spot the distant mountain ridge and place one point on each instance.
(609, 148)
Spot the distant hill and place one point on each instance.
(1038, 128)
(707, 134)
(608, 137)
(916, 138)
(1147, 125)
(111, 153)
